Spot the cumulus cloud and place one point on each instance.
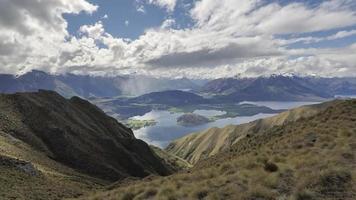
(227, 39)
(167, 4)
(32, 31)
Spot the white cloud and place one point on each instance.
(167, 4)
(127, 22)
(105, 16)
(141, 9)
(33, 31)
(168, 23)
(341, 34)
(228, 38)
(94, 31)
(297, 18)
(308, 40)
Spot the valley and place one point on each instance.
(60, 158)
(48, 139)
(275, 162)
(177, 100)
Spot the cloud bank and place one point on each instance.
(249, 38)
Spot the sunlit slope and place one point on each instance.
(312, 158)
(206, 143)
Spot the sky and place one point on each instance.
(179, 38)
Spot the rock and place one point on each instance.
(20, 165)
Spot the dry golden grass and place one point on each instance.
(313, 158)
(200, 145)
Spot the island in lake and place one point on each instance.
(192, 119)
(136, 124)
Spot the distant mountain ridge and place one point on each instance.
(170, 97)
(86, 86)
(67, 85)
(225, 90)
(279, 88)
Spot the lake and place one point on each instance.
(167, 129)
(276, 105)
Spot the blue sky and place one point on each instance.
(120, 11)
(125, 21)
(179, 38)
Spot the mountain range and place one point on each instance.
(279, 88)
(86, 86)
(226, 90)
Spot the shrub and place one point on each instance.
(270, 167)
(200, 193)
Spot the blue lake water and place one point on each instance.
(276, 105)
(167, 129)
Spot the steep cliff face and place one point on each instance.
(77, 134)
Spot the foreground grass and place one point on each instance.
(51, 181)
(313, 158)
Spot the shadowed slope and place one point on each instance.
(78, 134)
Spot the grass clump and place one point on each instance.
(200, 193)
(259, 192)
(305, 195)
(270, 167)
(128, 196)
(335, 181)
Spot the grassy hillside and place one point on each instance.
(204, 144)
(52, 147)
(29, 174)
(311, 158)
(175, 163)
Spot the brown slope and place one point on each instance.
(77, 134)
(204, 144)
